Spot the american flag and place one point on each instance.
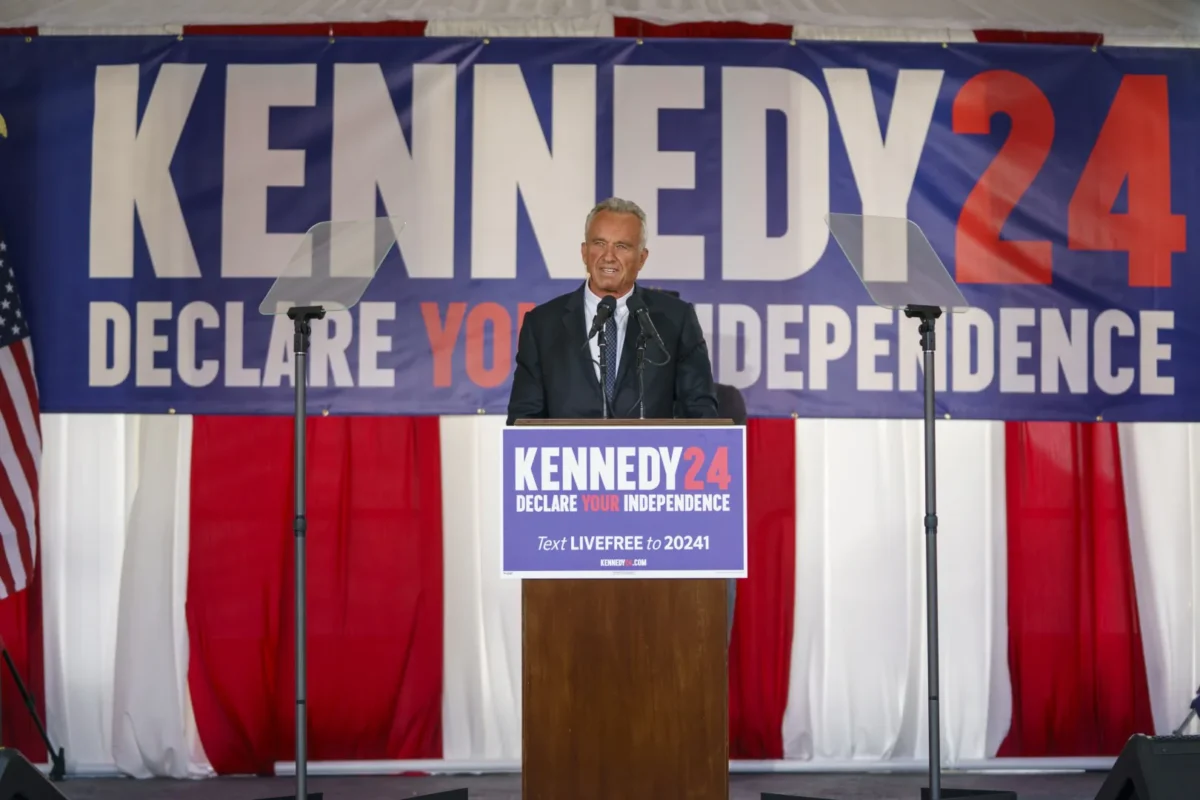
(21, 443)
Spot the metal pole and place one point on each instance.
(301, 626)
(935, 758)
(301, 317)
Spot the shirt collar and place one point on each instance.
(591, 302)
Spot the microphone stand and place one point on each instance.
(641, 373)
(1192, 713)
(646, 332)
(58, 763)
(603, 373)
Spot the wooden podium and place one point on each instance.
(624, 683)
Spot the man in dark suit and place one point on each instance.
(558, 367)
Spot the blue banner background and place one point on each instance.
(47, 97)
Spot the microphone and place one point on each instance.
(607, 306)
(638, 306)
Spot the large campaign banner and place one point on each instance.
(152, 188)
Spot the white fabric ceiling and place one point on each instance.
(1139, 19)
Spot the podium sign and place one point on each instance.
(642, 501)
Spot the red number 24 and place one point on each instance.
(1134, 144)
(718, 470)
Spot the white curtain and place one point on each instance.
(114, 505)
(1160, 465)
(154, 732)
(858, 673)
(481, 704)
(88, 473)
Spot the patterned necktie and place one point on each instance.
(610, 347)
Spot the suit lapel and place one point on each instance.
(576, 331)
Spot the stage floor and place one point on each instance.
(1069, 786)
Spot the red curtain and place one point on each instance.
(1075, 645)
(760, 654)
(631, 27)
(21, 629)
(374, 553)
(394, 27)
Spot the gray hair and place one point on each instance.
(618, 206)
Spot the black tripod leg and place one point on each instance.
(58, 767)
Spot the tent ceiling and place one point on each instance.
(1163, 19)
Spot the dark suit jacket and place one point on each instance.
(556, 377)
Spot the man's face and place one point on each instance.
(612, 253)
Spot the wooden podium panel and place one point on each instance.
(624, 683)
(624, 689)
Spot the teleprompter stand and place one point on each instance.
(927, 317)
(900, 271)
(301, 317)
(330, 271)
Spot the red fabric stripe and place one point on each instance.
(384, 28)
(374, 553)
(20, 354)
(12, 507)
(21, 613)
(1075, 645)
(16, 434)
(991, 36)
(21, 632)
(760, 655)
(628, 27)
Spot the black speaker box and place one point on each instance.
(20, 780)
(1155, 768)
(948, 794)
(453, 794)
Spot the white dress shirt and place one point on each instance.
(591, 303)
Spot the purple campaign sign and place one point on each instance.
(645, 501)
